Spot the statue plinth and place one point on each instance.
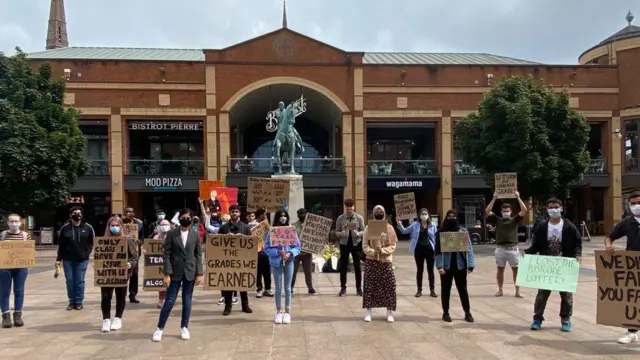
(296, 191)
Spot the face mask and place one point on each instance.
(14, 225)
(554, 213)
(301, 218)
(76, 217)
(506, 214)
(161, 217)
(424, 217)
(164, 228)
(185, 222)
(635, 209)
(378, 216)
(195, 228)
(451, 222)
(283, 220)
(114, 229)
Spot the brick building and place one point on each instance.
(158, 120)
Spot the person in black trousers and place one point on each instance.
(129, 218)
(264, 269)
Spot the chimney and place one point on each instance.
(57, 30)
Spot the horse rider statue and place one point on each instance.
(287, 140)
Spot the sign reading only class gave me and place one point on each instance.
(231, 262)
(270, 194)
(110, 262)
(555, 273)
(457, 241)
(506, 185)
(282, 236)
(153, 265)
(17, 254)
(618, 289)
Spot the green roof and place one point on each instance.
(196, 55)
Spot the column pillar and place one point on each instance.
(116, 168)
(359, 145)
(347, 153)
(446, 151)
(224, 148)
(211, 125)
(613, 193)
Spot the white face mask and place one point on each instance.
(14, 225)
(554, 213)
(424, 217)
(635, 209)
(164, 228)
(506, 214)
(283, 220)
(161, 217)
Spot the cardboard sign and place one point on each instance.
(231, 262)
(618, 289)
(405, 205)
(506, 185)
(457, 241)
(131, 230)
(282, 236)
(205, 188)
(555, 273)
(153, 265)
(375, 228)
(226, 197)
(260, 232)
(270, 194)
(110, 261)
(17, 254)
(314, 233)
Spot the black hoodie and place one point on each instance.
(75, 243)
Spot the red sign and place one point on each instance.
(226, 196)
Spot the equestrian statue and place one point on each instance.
(287, 140)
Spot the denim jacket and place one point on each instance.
(272, 251)
(465, 260)
(414, 229)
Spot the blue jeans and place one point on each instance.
(18, 277)
(278, 273)
(170, 300)
(74, 273)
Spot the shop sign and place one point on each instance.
(163, 183)
(404, 184)
(165, 126)
(78, 200)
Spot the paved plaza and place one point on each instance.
(324, 327)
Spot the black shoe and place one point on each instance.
(227, 311)
(79, 307)
(359, 292)
(246, 309)
(71, 307)
(17, 319)
(6, 320)
(419, 293)
(446, 317)
(468, 318)
(134, 300)
(343, 292)
(313, 291)
(433, 294)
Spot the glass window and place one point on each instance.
(631, 147)
(631, 125)
(97, 150)
(400, 142)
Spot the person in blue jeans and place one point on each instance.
(15, 277)
(281, 262)
(75, 244)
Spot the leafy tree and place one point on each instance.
(525, 127)
(41, 145)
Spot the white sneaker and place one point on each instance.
(390, 316)
(278, 319)
(116, 324)
(259, 294)
(234, 301)
(184, 334)
(628, 338)
(367, 315)
(221, 301)
(286, 318)
(106, 325)
(157, 335)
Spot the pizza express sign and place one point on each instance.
(163, 183)
(165, 125)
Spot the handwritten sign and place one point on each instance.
(260, 232)
(226, 196)
(205, 188)
(131, 230)
(110, 262)
(153, 265)
(457, 241)
(314, 233)
(405, 205)
(555, 273)
(618, 289)
(231, 262)
(506, 185)
(282, 236)
(17, 254)
(270, 194)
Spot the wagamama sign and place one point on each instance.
(404, 184)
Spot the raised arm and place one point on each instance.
(523, 207)
(489, 210)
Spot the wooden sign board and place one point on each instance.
(282, 236)
(618, 302)
(110, 261)
(17, 254)
(266, 193)
(131, 230)
(260, 232)
(231, 262)
(153, 265)
(457, 241)
(405, 205)
(506, 185)
(314, 233)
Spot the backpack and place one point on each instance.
(24, 235)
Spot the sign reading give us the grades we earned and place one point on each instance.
(265, 193)
(231, 262)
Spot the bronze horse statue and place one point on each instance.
(287, 140)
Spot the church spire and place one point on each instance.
(284, 14)
(57, 30)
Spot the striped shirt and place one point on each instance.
(6, 235)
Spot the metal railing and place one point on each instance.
(597, 166)
(270, 165)
(462, 168)
(165, 167)
(401, 167)
(97, 167)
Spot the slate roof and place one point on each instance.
(403, 58)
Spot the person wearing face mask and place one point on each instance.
(163, 228)
(15, 277)
(130, 218)
(454, 267)
(75, 243)
(199, 228)
(379, 279)
(555, 237)
(506, 239)
(629, 227)
(115, 229)
(264, 269)
(349, 229)
(153, 228)
(423, 248)
(304, 258)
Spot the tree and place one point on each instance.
(525, 127)
(41, 145)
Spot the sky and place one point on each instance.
(546, 31)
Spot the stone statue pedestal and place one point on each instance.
(296, 193)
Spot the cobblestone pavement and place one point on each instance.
(324, 327)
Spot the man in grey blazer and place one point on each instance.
(349, 229)
(182, 268)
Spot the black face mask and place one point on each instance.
(451, 223)
(378, 216)
(301, 218)
(76, 217)
(185, 222)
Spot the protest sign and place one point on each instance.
(260, 232)
(555, 273)
(17, 254)
(131, 230)
(405, 205)
(153, 265)
(282, 236)
(205, 188)
(506, 185)
(375, 229)
(618, 302)
(231, 262)
(457, 241)
(110, 262)
(314, 233)
(226, 196)
(270, 194)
